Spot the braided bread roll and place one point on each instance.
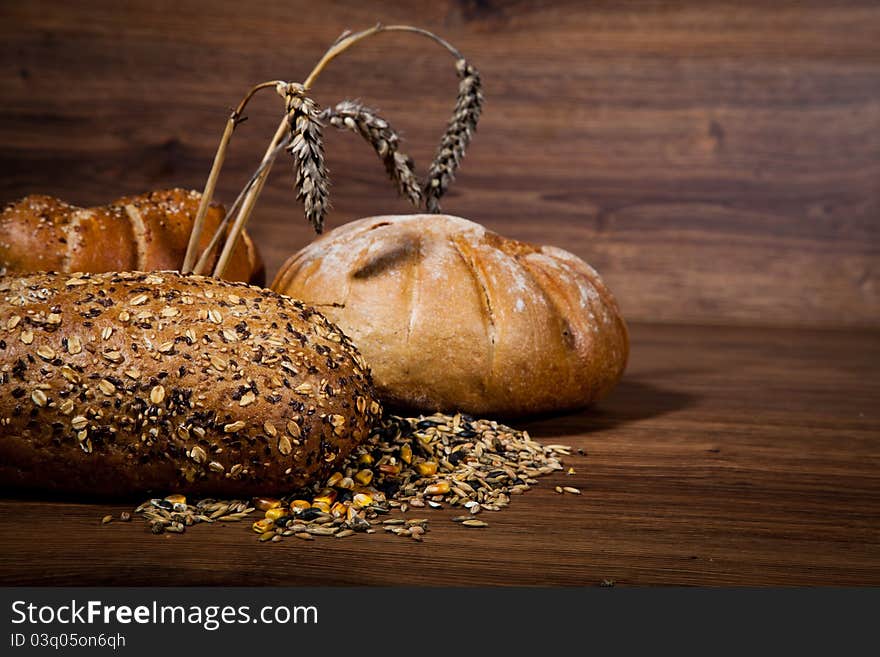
(145, 233)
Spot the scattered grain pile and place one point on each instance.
(407, 464)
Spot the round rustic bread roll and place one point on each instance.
(451, 316)
(149, 232)
(121, 383)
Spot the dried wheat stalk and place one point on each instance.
(351, 115)
(307, 148)
(300, 129)
(458, 135)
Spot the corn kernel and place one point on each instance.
(366, 459)
(266, 503)
(347, 483)
(334, 479)
(299, 505)
(327, 495)
(364, 476)
(440, 488)
(363, 499)
(178, 502)
(321, 506)
(406, 454)
(426, 468)
(339, 510)
(262, 526)
(277, 512)
(390, 468)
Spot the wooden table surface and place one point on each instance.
(727, 456)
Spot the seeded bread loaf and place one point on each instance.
(122, 383)
(149, 232)
(451, 316)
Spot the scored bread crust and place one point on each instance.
(148, 232)
(451, 316)
(121, 383)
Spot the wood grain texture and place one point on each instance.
(727, 456)
(718, 162)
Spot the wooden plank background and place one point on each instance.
(718, 162)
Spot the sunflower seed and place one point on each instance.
(70, 374)
(45, 352)
(198, 455)
(157, 394)
(113, 356)
(322, 531)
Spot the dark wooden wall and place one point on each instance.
(718, 162)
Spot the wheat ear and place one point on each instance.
(458, 135)
(307, 148)
(351, 115)
(300, 129)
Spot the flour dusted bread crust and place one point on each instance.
(121, 383)
(147, 233)
(451, 316)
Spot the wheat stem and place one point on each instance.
(269, 84)
(418, 30)
(207, 194)
(201, 266)
(251, 198)
(219, 157)
(337, 49)
(347, 40)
